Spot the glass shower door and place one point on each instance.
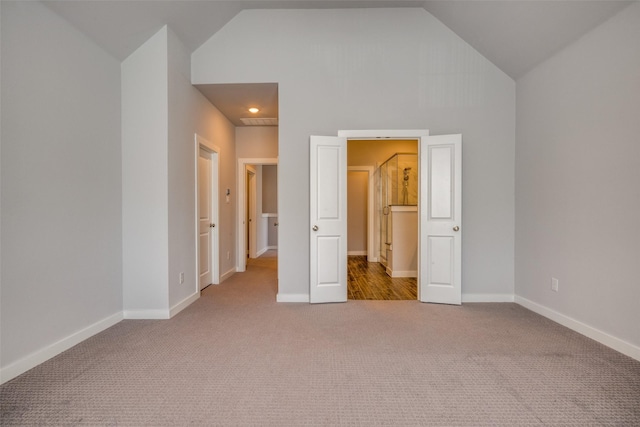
(383, 211)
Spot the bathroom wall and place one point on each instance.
(357, 191)
(374, 152)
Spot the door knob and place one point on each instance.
(212, 225)
(456, 228)
(315, 228)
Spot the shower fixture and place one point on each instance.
(405, 186)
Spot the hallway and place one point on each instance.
(369, 281)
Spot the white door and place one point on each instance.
(205, 222)
(328, 219)
(440, 267)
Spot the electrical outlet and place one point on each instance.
(181, 278)
(554, 284)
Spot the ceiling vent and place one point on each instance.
(255, 121)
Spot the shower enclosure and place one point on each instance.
(397, 214)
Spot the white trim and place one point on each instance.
(487, 297)
(241, 214)
(228, 274)
(272, 247)
(402, 273)
(269, 215)
(370, 209)
(615, 343)
(262, 251)
(184, 304)
(385, 134)
(147, 314)
(40, 356)
(280, 297)
(356, 252)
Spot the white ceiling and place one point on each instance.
(516, 35)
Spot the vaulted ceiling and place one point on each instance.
(516, 35)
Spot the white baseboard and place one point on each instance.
(356, 252)
(292, 297)
(262, 251)
(146, 314)
(265, 249)
(615, 343)
(401, 273)
(228, 274)
(40, 356)
(184, 304)
(487, 297)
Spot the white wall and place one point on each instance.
(377, 69)
(270, 202)
(257, 142)
(270, 188)
(190, 112)
(145, 179)
(61, 186)
(578, 180)
(162, 112)
(262, 223)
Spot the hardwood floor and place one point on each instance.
(369, 281)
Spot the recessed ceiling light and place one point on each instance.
(254, 110)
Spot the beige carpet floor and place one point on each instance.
(236, 357)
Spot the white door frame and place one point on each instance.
(394, 134)
(214, 252)
(371, 256)
(241, 185)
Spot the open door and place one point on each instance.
(440, 266)
(205, 220)
(328, 219)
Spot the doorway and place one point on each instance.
(439, 213)
(255, 225)
(382, 178)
